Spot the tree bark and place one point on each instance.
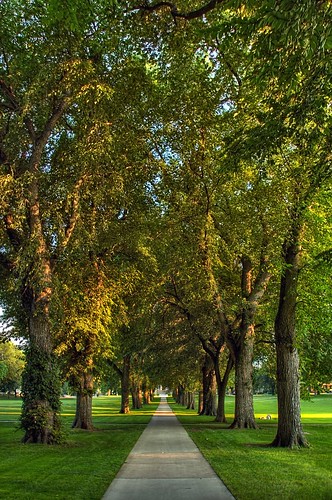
(190, 400)
(83, 416)
(209, 383)
(289, 432)
(241, 342)
(222, 386)
(180, 395)
(244, 417)
(146, 396)
(41, 381)
(136, 396)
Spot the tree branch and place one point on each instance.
(30, 127)
(230, 67)
(246, 278)
(260, 287)
(263, 277)
(57, 113)
(194, 14)
(9, 95)
(115, 367)
(73, 218)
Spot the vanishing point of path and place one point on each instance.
(165, 464)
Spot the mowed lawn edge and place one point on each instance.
(254, 471)
(81, 468)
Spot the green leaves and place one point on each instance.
(180, 150)
(72, 15)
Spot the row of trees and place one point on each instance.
(11, 367)
(165, 197)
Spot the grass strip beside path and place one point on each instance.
(80, 469)
(254, 471)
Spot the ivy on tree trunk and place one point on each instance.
(41, 397)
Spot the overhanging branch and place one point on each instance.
(172, 8)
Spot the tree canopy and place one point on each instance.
(165, 190)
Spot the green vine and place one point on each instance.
(41, 398)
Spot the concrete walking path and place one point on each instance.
(165, 464)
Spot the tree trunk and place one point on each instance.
(180, 395)
(125, 385)
(209, 406)
(222, 386)
(242, 346)
(289, 432)
(83, 416)
(41, 381)
(136, 396)
(244, 417)
(200, 402)
(147, 396)
(190, 400)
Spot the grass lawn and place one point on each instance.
(82, 468)
(252, 470)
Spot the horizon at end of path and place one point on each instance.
(165, 464)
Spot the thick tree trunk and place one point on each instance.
(125, 384)
(41, 382)
(244, 417)
(136, 396)
(289, 432)
(209, 406)
(83, 416)
(222, 386)
(190, 400)
(146, 396)
(242, 346)
(180, 395)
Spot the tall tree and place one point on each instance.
(47, 73)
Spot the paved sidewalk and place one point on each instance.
(165, 464)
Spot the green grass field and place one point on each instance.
(254, 471)
(83, 468)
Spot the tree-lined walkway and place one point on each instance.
(166, 464)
